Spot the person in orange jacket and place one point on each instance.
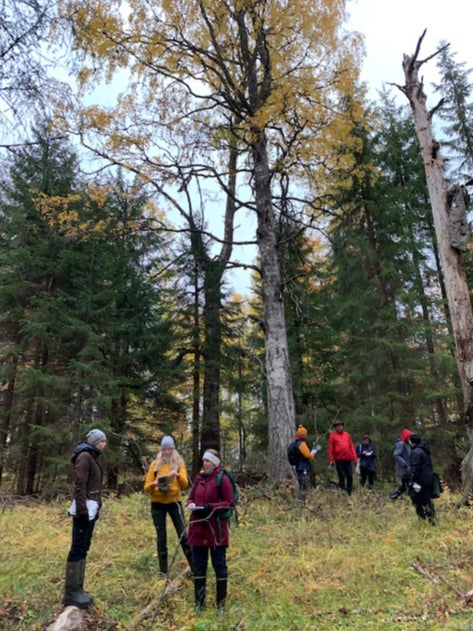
(303, 465)
(166, 478)
(341, 454)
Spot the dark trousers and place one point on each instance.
(303, 478)
(81, 539)
(218, 556)
(423, 502)
(345, 475)
(399, 490)
(366, 474)
(158, 513)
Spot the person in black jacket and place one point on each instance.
(422, 475)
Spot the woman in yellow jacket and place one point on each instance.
(166, 478)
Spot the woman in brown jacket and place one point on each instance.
(85, 511)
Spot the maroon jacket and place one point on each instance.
(205, 528)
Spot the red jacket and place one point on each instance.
(205, 529)
(341, 447)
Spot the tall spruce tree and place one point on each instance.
(456, 113)
(391, 353)
(31, 273)
(83, 332)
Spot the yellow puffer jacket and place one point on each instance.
(176, 484)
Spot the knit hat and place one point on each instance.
(405, 434)
(301, 431)
(213, 458)
(95, 436)
(415, 438)
(168, 443)
(337, 421)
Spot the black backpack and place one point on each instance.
(437, 487)
(293, 453)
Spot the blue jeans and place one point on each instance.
(303, 478)
(81, 539)
(218, 556)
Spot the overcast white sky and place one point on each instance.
(393, 28)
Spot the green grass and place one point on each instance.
(355, 563)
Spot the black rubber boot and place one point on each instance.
(163, 564)
(199, 591)
(74, 594)
(221, 593)
(81, 581)
(395, 494)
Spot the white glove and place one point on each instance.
(416, 487)
(314, 451)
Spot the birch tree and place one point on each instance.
(271, 77)
(444, 206)
(26, 59)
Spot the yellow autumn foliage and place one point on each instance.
(278, 68)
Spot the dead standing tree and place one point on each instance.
(445, 210)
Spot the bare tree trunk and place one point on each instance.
(196, 380)
(214, 269)
(281, 408)
(212, 351)
(451, 260)
(6, 406)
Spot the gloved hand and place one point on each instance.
(205, 511)
(82, 519)
(314, 450)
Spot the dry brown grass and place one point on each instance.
(356, 563)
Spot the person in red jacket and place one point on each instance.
(341, 454)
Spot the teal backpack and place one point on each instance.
(236, 495)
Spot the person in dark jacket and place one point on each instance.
(366, 459)
(402, 461)
(85, 510)
(422, 476)
(303, 466)
(208, 533)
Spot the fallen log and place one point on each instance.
(71, 619)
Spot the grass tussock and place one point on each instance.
(355, 563)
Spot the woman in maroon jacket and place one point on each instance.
(207, 532)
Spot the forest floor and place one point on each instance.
(337, 562)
